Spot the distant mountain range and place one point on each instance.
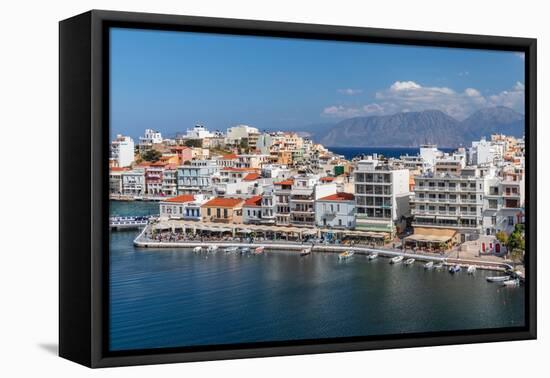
(411, 129)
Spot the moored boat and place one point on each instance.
(396, 259)
(409, 261)
(197, 249)
(455, 269)
(259, 250)
(498, 278)
(429, 265)
(231, 249)
(372, 256)
(245, 250)
(511, 283)
(438, 266)
(212, 248)
(345, 255)
(471, 269)
(305, 251)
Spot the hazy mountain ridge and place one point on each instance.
(411, 129)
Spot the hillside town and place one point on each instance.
(284, 185)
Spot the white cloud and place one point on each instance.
(411, 96)
(350, 91)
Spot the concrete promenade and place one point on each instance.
(143, 242)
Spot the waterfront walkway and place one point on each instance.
(144, 242)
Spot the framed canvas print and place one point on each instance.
(234, 188)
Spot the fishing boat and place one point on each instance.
(396, 259)
(409, 261)
(305, 251)
(438, 266)
(498, 278)
(231, 250)
(429, 265)
(511, 283)
(345, 255)
(197, 249)
(455, 269)
(372, 256)
(245, 250)
(471, 269)
(212, 248)
(259, 250)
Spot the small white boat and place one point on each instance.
(197, 249)
(409, 261)
(455, 269)
(345, 255)
(498, 278)
(212, 248)
(231, 250)
(471, 269)
(438, 266)
(259, 250)
(305, 251)
(245, 250)
(511, 283)
(396, 259)
(372, 256)
(429, 265)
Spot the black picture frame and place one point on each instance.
(83, 208)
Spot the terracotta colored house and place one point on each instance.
(223, 210)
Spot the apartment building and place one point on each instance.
(336, 211)
(122, 151)
(450, 201)
(281, 194)
(381, 197)
(196, 176)
(133, 182)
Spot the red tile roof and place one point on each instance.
(181, 199)
(230, 156)
(327, 179)
(285, 182)
(253, 201)
(252, 177)
(118, 169)
(223, 202)
(341, 196)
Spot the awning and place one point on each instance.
(431, 235)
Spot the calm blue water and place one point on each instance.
(173, 297)
(395, 152)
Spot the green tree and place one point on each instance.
(502, 237)
(193, 143)
(151, 155)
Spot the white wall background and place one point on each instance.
(29, 189)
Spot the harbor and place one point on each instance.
(281, 294)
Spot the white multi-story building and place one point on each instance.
(151, 137)
(237, 133)
(282, 190)
(504, 203)
(382, 197)
(306, 188)
(185, 206)
(199, 132)
(196, 176)
(450, 201)
(122, 151)
(133, 182)
(485, 152)
(170, 181)
(336, 211)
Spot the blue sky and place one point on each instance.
(171, 80)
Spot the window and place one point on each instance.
(510, 220)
